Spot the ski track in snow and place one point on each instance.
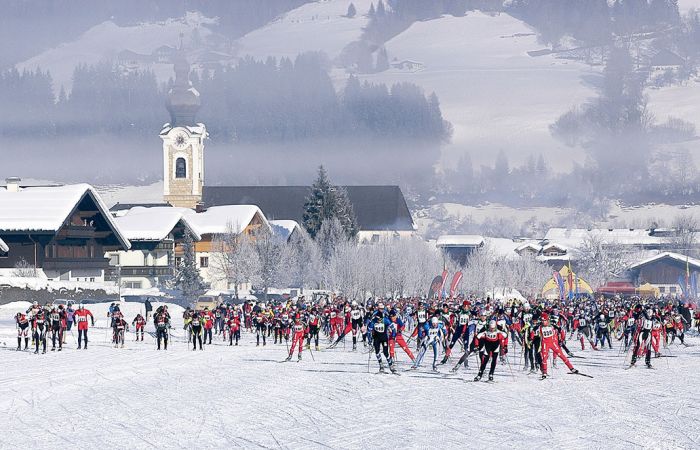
(242, 397)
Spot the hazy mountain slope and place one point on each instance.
(105, 40)
(493, 92)
(320, 26)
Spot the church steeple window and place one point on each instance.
(180, 168)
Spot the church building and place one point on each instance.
(381, 211)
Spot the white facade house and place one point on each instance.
(153, 233)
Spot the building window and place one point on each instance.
(662, 289)
(178, 261)
(114, 259)
(203, 261)
(672, 289)
(180, 168)
(132, 284)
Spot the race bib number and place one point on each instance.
(379, 327)
(463, 319)
(421, 316)
(355, 314)
(547, 332)
(582, 322)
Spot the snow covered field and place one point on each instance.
(318, 26)
(241, 397)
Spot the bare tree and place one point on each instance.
(24, 269)
(234, 259)
(600, 260)
(684, 239)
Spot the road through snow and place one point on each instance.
(242, 397)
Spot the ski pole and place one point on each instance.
(369, 354)
(312, 354)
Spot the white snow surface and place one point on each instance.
(241, 397)
(217, 219)
(460, 240)
(153, 224)
(316, 26)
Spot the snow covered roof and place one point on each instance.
(573, 237)
(554, 245)
(284, 228)
(502, 247)
(3, 246)
(531, 245)
(216, 219)
(675, 256)
(460, 240)
(153, 224)
(46, 208)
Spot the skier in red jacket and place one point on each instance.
(299, 330)
(81, 318)
(549, 335)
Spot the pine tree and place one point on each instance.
(187, 277)
(381, 10)
(371, 13)
(352, 11)
(327, 201)
(382, 60)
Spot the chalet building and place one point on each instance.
(154, 234)
(63, 231)
(212, 223)
(158, 233)
(381, 211)
(666, 271)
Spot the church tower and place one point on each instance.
(183, 141)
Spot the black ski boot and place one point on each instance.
(289, 358)
(477, 378)
(490, 377)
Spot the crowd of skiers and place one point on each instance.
(484, 328)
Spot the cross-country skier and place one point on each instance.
(299, 330)
(356, 314)
(120, 327)
(140, 323)
(40, 328)
(161, 320)
(22, 324)
(197, 324)
(491, 342)
(81, 319)
(207, 318)
(314, 322)
(234, 328)
(56, 318)
(642, 345)
(396, 336)
(461, 331)
(434, 334)
(260, 322)
(379, 327)
(550, 341)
